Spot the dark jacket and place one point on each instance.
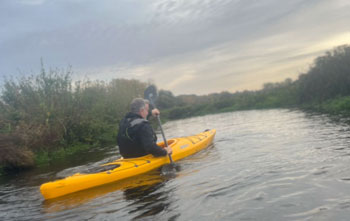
(136, 137)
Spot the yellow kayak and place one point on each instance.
(125, 168)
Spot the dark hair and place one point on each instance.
(137, 104)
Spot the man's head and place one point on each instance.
(140, 106)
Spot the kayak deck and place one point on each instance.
(125, 168)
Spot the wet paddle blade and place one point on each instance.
(170, 169)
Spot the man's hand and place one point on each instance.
(169, 150)
(155, 112)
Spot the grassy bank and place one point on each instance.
(339, 105)
(336, 106)
(46, 157)
(43, 116)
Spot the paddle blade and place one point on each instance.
(151, 93)
(170, 169)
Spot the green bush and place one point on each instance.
(44, 114)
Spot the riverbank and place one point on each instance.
(43, 116)
(336, 106)
(45, 157)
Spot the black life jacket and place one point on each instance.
(127, 125)
(129, 129)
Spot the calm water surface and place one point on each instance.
(263, 165)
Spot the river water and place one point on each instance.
(263, 165)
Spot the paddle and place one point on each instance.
(151, 95)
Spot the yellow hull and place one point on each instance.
(182, 147)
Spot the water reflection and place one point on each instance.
(147, 200)
(76, 199)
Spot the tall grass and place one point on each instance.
(46, 112)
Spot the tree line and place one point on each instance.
(324, 87)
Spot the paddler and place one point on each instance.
(136, 137)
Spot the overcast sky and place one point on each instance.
(186, 46)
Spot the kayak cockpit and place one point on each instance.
(170, 142)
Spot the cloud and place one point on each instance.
(188, 46)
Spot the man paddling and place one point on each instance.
(136, 137)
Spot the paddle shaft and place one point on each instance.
(165, 141)
(161, 128)
(151, 94)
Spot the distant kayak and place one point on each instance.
(125, 168)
